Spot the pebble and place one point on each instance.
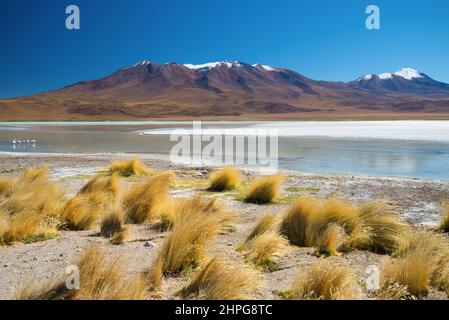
(149, 244)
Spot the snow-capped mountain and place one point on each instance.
(407, 80)
(145, 79)
(147, 90)
(406, 73)
(212, 65)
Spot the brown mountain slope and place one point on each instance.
(233, 90)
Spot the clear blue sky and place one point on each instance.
(324, 40)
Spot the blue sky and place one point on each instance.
(324, 40)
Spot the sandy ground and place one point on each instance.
(417, 201)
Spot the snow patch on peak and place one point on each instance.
(365, 77)
(264, 66)
(143, 63)
(212, 65)
(408, 73)
(385, 76)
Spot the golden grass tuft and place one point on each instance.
(82, 211)
(198, 222)
(33, 191)
(330, 240)
(30, 207)
(128, 168)
(328, 224)
(423, 261)
(264, 248)
(112, 226)
(297, 219)
(180, 209)
(269, 222)
(379, 229)
(225, 179)
(154, 276)
(440, 277)
(444, 221)
(264, 190)
(337, 211)
(26, 226)
(414, 272)
(120, 237)
(6, 186)
(184, 247)
(144, 201)
(324, 280)
(373, 226)
(98, 281)
(107, 184)
(393, 291)
(435, 243)
(32, 176)
(219, 280)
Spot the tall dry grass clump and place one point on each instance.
(379, 229)
(434, 243)
(154, 275)
(393, 291)
(6, 185)
(107, 184)
(269, 222)
(440, 277)
(30, 206)
(26, 226)
(339, 212)
(264, 190)
(311, 222)
(414, 272)
(297, 220)
(128, 168)
(324, 280)
(224, 179)
(112, 226)
(263, 249)
(421, 262)
(330, 240)
(219, 280)
(145, 201)
(180, 209)
(328, 223)
(335, 224)
(209, 207)
(444, 221)
(196, 225)
(99, 280)
(81, 212)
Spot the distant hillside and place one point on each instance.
(234, 90)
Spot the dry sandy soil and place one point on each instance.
(417, 201)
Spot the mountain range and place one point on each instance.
(233, 90)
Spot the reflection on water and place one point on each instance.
(378, 157)
(396, 158)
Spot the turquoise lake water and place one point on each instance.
(416, 149)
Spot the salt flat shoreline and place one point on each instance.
(416, 201)
(165, 159)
